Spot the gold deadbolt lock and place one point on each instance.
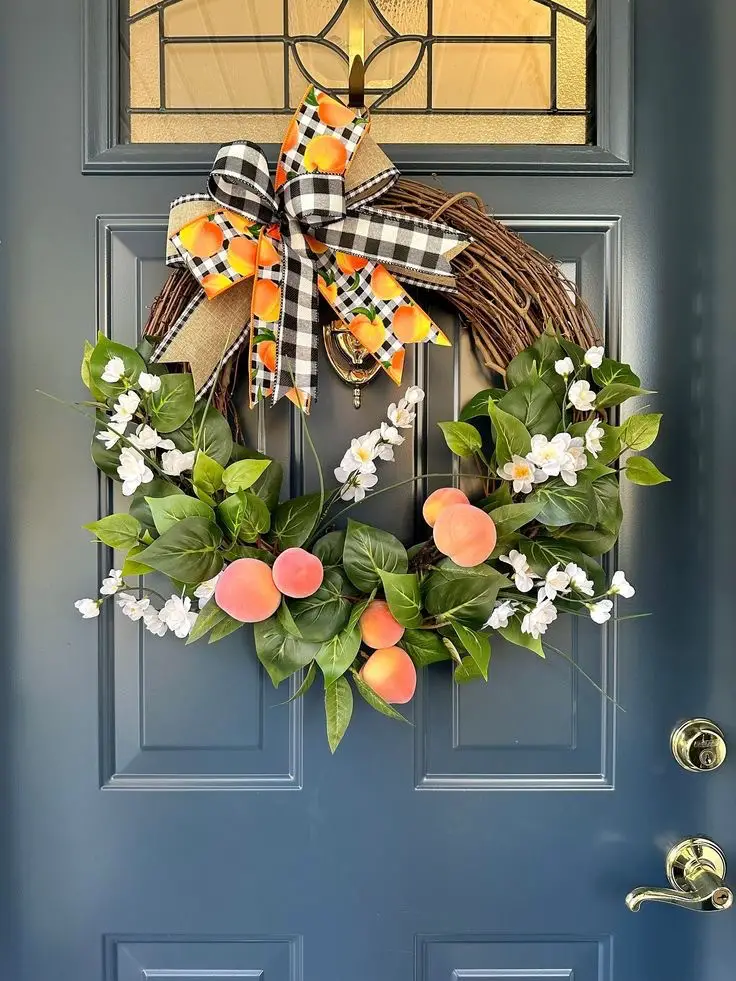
(699, 745)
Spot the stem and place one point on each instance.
(313, 448)
(586, 676)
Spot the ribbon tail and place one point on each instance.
(296, 366)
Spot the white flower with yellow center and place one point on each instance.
(581, 396)
(564, 367)
(579, 580)
(549, 454)
(522, 473)
(363, 452)
(600, 612)
(402, 415)
(523, 575)
(88, 608)
(537, 620)
(133, 471)
(502, 613)
(620, 586)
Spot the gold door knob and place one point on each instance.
(696, 868)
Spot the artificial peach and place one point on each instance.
(241, 254)
(215, 283)
(440, 499)
(349, 264)
(378, 626)
(370, 333)
(326, 154)
(246, 591)
(384, 285)
(202, 238)
(390, 672)
(410, 324)
(298, 573)
(267, 300)
(328, 290)
(333, 113)
(267, 252)
(266, 352)
(464, 533)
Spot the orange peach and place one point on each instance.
(267, 252)
(370, 333)
(201, 237)
(280, 177)
(440, 499)
(297, 573)
(465, 533)
(390, 672)
(396, 368)
(239, 222)
(246, 591)
(410, 324)
(266, 351)
(241, 254)
(326, 154)
(349, 264)
(215, 283)
(292, 137)
(267, 300)
(319, 248)
(333, 113)
(384, 285)
(328, 290)
(378, 626)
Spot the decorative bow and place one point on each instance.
(312, 229)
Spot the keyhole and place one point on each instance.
(707, 758)
(722, 898)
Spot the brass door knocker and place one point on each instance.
(351, 361)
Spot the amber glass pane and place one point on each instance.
(437, 71)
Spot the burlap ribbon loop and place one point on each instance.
(262, 250)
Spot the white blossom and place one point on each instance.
(523, 575)
(131, 606)
(386, 438)
(575, 459)
(414, 394)
(177, 616)
(502, 613)
(206, 590)
(114, 370)
(537, 620)
(89, 608)
(564, 367)
(112, 583)
(549, 454)
(356, 486)
(362, 452)
(556, 581)
(620, 586)
(118, 427)
(146, 438)
(593, 436)
(594, 356)
(108, 437)
(579, 580)
(581, 396)
(401, 415)
(133, 470)
(523, 474)
(149, 383)
(153, 622)
(174, 462)
(600, 612)
(126, 407)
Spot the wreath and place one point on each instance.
(327, 595)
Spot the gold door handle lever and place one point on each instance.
(696, 868)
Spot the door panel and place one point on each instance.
(541, 804)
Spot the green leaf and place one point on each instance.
(139, 507)
(462, 438)
(188, 551)
(616, 393)
(248, 552)
(338, 711)
(370, 551)
(323, 614)
(403, 597)
(207, 476)
(510, 517)
(614, 372)
(499, 498)
(513, 635)
(594, 470)
(359, 609)
(476, 644)
(133, 568)
(243, 474)
(424, 647)
(224, 628)
(600, 539)
(467, 670)
(116, 530)
(640, 470)
(610, 441)
(574, 352)
(166, 511)
(543, 553)
(512, 436)
(465, 595)
(171, 406)
(279, 653)
(563, 505)
(522, 368)
(94, 391)
(294, 521)
(105, 460)
(336, 655)
(244, 515)
(533, 403)
(478, 405)
(286, 620)
(98, 358)
(640, 431)
(328, 548)
(213, 430)
(375, 701)
(593, 541)
(306, 683)
(209, 616)
(268, 485)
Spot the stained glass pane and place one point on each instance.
(437, 71)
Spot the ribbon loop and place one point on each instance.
(240, 182)
(314, 199)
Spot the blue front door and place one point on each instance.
(163, 814)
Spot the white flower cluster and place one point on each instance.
(562, 456)
(133, 469)
(557, 582)
(357, 470)
(580, 395)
